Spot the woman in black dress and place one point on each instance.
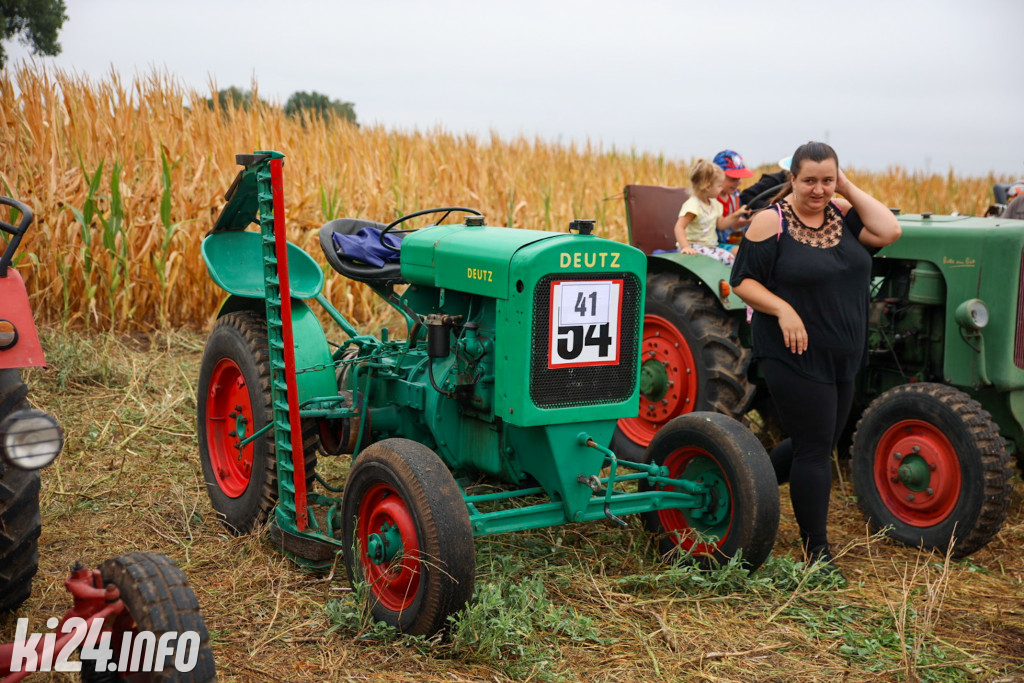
(805, 269)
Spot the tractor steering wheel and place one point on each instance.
(446, 209)
(16, 232)
(762, 195)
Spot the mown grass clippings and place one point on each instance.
(587, 602)
(584, 602)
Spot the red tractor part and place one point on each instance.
(19, 342)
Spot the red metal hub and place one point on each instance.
(917, 473)
(668, 380)
(229, 420)
(384, 522)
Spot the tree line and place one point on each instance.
(313, 103)
(36, 23)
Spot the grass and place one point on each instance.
(577, 603)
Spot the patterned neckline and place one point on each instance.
(824, 220)
(823, 237)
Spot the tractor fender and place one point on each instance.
(706, 270)
(15, 310)
(311, 347)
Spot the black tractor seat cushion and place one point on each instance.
(389, 273)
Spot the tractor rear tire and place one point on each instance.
(20, 524)
(233, 396)
(157, 598)
(743, 512)
(930, 468)
(691, 358)
(407, 537)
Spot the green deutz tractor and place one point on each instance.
(938, 411)
(492, 414)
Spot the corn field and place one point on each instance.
(126, 177)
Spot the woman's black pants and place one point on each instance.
(813, 415)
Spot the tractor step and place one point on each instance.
(300, 545)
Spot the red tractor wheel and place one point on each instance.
(930, 467)
(20, 523)
(157, 598)
(668, 380)
(406, 532)
(740, 510)
(690, 360)
(233, 403)
(229, 419)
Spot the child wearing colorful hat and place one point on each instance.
(732, 165)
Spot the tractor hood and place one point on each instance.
(471, 259)
(953, 228)
(959, 243)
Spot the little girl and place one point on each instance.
(701, 215)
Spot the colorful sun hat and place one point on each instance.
(732, 164)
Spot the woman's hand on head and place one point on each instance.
(842, 183)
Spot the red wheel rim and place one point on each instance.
(917, 473)
(395, 582)
(690, 528)
(229, 420)
(668, 380)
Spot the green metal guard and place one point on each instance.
(292, 514)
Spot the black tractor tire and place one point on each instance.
(743, 513)
(930, 468)
(703, 366)
(234, 380)
(397, 484)
(158, 599)
(626, 449)
(20, 523)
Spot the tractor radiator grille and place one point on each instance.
(588, 385)
(1018, 342)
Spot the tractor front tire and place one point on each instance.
(741, 514)
(407, 537)
(157, 598)
(20, 524)
(234, 401)
(930, 468)
(691, 359)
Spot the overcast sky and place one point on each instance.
(924, 85)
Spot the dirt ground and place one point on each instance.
(584, 602)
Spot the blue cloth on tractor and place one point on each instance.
(365, 246)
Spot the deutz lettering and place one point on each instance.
(604, 259)
(479, 274)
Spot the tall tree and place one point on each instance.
(35, 22)
(319, 104)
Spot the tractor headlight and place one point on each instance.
(972, 314)
(30, 439)
(8, 335)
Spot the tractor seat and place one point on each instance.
(651, 213)
(389, 273)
